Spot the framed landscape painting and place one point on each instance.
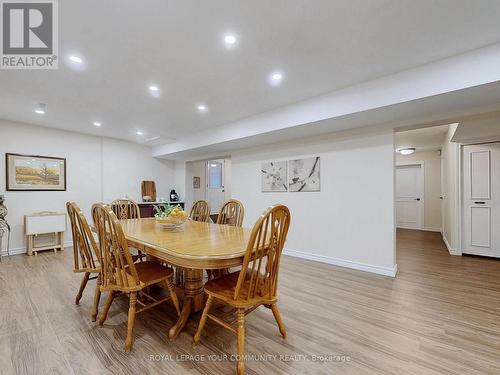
(35, 173)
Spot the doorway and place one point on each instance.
(215, 192)
(410, 196)
(208, 180)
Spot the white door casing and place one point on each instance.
(481, 200)
(215, 192)
(410, 196)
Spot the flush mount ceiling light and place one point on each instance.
(41, 109)
(230, 40)
(97, 123)
(275, 78)
(139, 132)
(154, 90)
(406, 150)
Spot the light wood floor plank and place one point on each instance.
(439, 316)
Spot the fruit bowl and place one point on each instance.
(169, 217)
(170, 222)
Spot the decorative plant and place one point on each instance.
(163, 210)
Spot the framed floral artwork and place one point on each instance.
(304, 174)
(273, 176)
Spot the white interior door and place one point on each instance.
(215, 193)
(409, 196)
(481, 200)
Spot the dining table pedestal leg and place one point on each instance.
(193, 300)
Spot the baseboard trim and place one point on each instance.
(451, 250)
(432, 229)
(22, 250)
(386, 271)
(427, 229)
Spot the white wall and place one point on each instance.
(432, 185)
(125, 165)
(351, 221)
(180, 179)
(98, 169)
(450, 162)
(194, 169)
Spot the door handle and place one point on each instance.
(417, 199)
(479, 202)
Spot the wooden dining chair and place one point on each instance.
(231, 213)
(126, 209)
(200, 211)
(257, 282)
(120, 275)
(85, 254)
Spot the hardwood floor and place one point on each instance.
(439, 316)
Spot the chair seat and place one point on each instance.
(223, 288)
(151, 272)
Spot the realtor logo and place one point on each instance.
(29, 34)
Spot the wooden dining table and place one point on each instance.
(192, 248)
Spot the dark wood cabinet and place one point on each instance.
(147, 210)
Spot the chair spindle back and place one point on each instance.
(125, 209)
(117, 261)
(200, 211)
(86, 252)
(264, 252)
(231, 213)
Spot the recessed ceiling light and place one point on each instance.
(154, 91)
(41, 109)
(275, 78)
(230, 40)
(406, 150)
(97, 123)
(76, 59)
(202, 108)
(139, 132)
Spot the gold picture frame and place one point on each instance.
(35, 173)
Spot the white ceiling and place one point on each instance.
(425, 139)
(320, 46)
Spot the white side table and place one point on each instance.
(45, 223)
